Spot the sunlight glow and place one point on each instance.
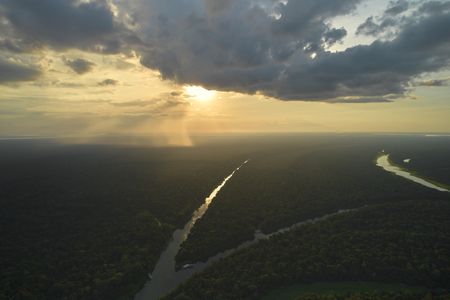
(199, 93)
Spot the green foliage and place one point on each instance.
(344, 290)
(429, 157)
(405, 242)
(375, 295)
(297, 181)
(89, 222)
(364, 296)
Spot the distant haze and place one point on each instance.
(176, 69)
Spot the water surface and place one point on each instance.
(383, 162)
(165, 277)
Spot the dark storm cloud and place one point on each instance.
(268, 48)
(434, 7)
(334, 35)
(434, 82)
(394, 19)
(381, 68)
(375, 26)
(13, 72)
(66, 24)
(310, 15)
(79, 65)
(10, 46)
(271, 47)
(397, 7)
(239, 46)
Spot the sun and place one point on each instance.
(199, 93)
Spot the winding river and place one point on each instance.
(165, 277)
(383, 162)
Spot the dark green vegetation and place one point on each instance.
(343, 290)
(291, 180)
(89, 222)
(429, 158)
(404, 242)
(374, 295)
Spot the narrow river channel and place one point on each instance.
(165, 277)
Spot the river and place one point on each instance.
(165, 277)
(383, 162)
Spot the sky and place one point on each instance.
(176, 68)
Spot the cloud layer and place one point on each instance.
(276, 48)
(64, 24)
(79, 65)
(14, 72)
(280, 49)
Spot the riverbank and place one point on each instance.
(384, 162)
(166, 275)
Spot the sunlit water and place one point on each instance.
(165, 277)
(383, 162)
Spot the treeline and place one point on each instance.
(89, 222)
(292, 183)
(428, 155)
(405, 242)
(375, 296)
(74, 262)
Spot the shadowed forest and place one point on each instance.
(90, 221)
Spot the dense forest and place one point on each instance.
(428, 158)
(349, 290)
(89, 222)
(295, 182)
(404, 242)
(375, 296)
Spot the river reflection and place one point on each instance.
(383, 162)
(164, 277)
